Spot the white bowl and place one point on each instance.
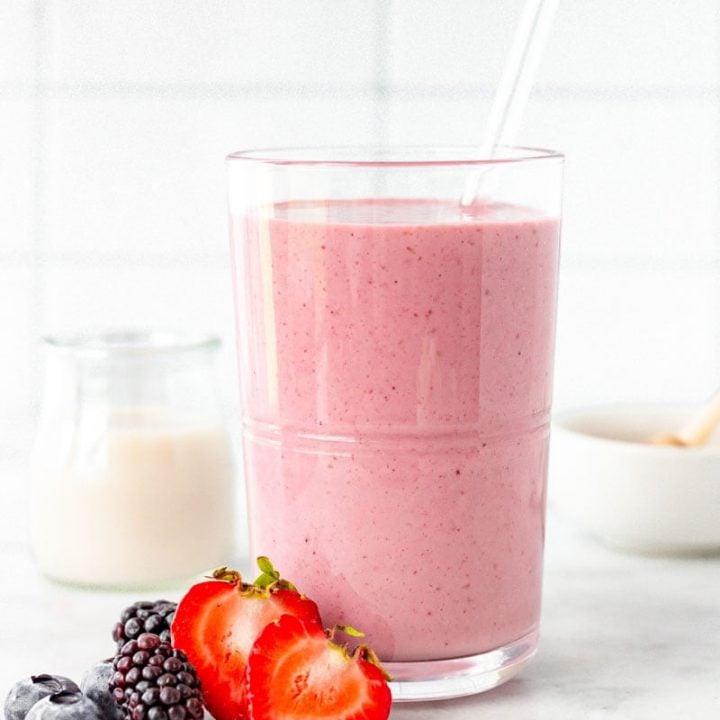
(606, 478)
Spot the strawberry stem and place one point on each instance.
(268, 574)
(267, 567)
(365, 652)
(349, 630)
(361, 652)
(270, 578)
(230, 576)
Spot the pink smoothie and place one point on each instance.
(397, 364)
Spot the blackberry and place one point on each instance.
(154, 682)
(145, 616)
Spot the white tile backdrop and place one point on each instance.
(115, 118)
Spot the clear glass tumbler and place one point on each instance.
(396, 356)
(132, 473)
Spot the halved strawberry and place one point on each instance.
(217, 622)
(296, 672)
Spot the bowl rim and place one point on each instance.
(560, 425)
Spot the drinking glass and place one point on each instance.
(396, 354)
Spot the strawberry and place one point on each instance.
(217, 622)
(296, 672)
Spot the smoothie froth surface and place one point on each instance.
(398, 212)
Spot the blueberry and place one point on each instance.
(25, 693)
(65, 706)
(96, 685)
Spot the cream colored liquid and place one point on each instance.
(148, 501)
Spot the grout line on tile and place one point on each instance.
(129, 259)
(379, 87)
(38, 192)
(611, 93)
(210, 91)
(716, 212)
(381, 92)
(716, 259)
(640, 263)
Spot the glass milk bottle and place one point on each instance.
(132, 476)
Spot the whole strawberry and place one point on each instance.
(217, 622)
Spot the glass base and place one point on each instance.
(444, 679)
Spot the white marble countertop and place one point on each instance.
(622, 636)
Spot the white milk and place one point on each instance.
(143, 500)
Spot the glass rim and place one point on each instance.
(131, 342)
(391, 155)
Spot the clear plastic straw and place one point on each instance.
(515, 86)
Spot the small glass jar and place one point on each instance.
(132, 480)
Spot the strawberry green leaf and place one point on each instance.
(351, 631)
